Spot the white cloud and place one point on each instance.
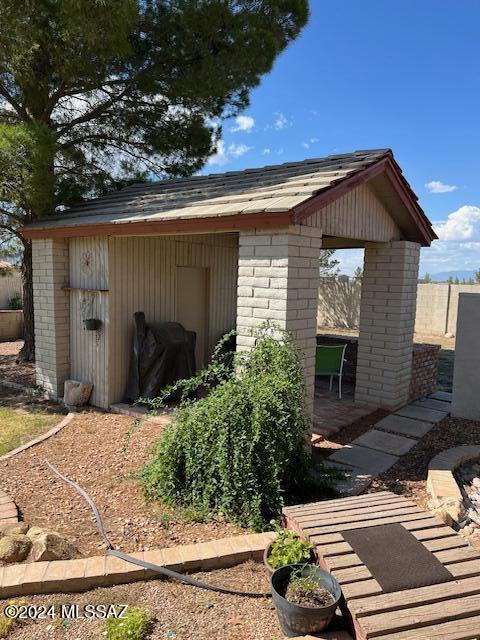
(243, 123)
(224, 154)
(349, 260)
(306, 145)
(461, 225)
(281, 122)
(435, 186)
(266, 151)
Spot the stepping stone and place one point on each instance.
(421, 413)
(354, 482)
(404, 426)
(368, 460)
(446, 396)
(431, 403)
(385, 442)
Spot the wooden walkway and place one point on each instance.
(448, 611)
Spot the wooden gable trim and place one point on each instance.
(390, 168)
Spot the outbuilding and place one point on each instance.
(229, 251)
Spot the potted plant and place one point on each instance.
(287, 548)
(92, 324)
(305, 598)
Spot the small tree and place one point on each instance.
(358, 273)
(95, 94)
(457, 281)
(477, 276)
(328, 264)
(242, 450)
(427, 278)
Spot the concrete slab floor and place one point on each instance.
(404, 426)
(446, 396)
(431, 403)
(354, 482)
(367, 460)
(421, 413)
(385, 442)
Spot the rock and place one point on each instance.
(35, 532)
(50, 546)
(14, 548)
(13, 528)
(444, 516)
(76, 394)
(474, 515)
(476, 482)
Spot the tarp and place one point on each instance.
(161, 354)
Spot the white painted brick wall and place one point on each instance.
(278, 279)
(387, 318)
(52, 314)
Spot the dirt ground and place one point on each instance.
(182, 612)
(21, 373)
(408, 476)
(90, 450)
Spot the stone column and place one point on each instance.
(278, 279)
(387, 321)
(52, 314)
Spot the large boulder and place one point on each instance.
(51, 546)
(14, 548)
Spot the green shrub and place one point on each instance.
(242, 449)
(15, 303)
(135, 625)
(288, 548)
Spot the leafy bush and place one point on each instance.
(135, 625)
(15, 303)
(288, 548)
(242, 449)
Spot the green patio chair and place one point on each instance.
(329, 359)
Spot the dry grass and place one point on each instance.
(23, 418)
(181, 612)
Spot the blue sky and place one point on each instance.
(374, 74)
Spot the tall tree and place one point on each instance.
(94, 93)
(476, 275)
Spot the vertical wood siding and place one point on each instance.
(359, 214)
(89, 349)
(143, 278)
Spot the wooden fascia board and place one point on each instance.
(215, 224)
(384, 165)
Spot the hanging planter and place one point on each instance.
(92, 324)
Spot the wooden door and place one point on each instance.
(192, 306)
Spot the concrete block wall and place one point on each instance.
(466, 381)
(52, 314)
(278, 279)
(387, 318)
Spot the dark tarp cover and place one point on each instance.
(161, 355)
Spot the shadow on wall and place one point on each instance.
(339, 304)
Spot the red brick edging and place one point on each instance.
(8, 509)
(102, 571)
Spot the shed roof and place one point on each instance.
(266, 196)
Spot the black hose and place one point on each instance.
(143, 563)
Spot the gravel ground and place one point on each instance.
(188, 612)
(90, 451)
(408, 476)
(21, 373)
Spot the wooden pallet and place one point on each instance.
(448, 611)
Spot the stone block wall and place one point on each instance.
(387, 318)
(52, 314)
(278, 280)
(424, 370)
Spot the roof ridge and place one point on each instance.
(268, 167)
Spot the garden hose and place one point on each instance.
(143, 563)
